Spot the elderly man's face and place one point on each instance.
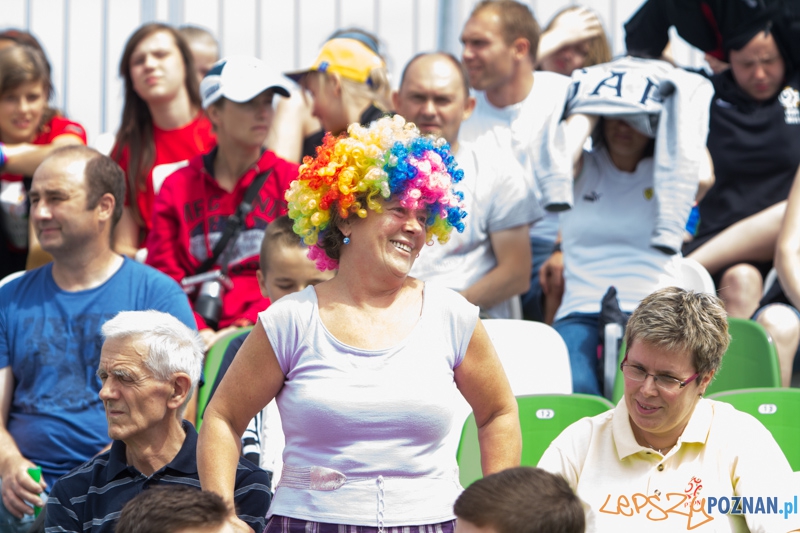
(134, 399)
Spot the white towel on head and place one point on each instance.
(661, 101)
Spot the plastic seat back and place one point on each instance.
(535, 360)
(210, 370)
(542, 419)
(779, 411)
(749, 362)
(533, 354)
(695, 277)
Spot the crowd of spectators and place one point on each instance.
(230, 186)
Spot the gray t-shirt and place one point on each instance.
(496, 198)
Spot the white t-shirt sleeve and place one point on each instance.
(456, 314)
(286, 322)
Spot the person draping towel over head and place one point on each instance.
(660, 101)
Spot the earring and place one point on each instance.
(346, 240)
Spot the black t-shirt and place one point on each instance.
(755, 147)
(714, 26)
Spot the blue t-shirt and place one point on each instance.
(51, 339)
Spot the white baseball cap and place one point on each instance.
(239, 79)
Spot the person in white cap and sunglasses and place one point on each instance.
(209, 217)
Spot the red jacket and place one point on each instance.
(189, 216)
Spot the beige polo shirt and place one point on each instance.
(723, 453)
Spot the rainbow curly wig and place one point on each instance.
(388, 159)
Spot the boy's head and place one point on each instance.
(204, 47)
(175, 510)
(519, 500)
(284, 267)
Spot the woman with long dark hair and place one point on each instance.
(162, 126)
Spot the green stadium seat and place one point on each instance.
(211, 368)
(542, 418)
(778, 409)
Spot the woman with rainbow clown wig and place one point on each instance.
(366, 367)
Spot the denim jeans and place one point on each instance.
(580, 334)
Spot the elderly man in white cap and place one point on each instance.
(210, 216)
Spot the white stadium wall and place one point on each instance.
(84, 38)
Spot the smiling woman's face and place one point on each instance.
(656, 414)
(390, 239)
(21, 111)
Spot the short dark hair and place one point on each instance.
(281, 235)
(446, 55)
(102, 174)
(522, 500)
(170, 509)
(517, 21)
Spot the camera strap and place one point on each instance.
(233, 225)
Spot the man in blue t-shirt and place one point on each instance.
(50, 322)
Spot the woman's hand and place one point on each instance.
(576, 25)
(571, 27)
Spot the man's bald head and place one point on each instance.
(434, 94)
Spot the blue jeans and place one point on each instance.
(580, 334)
(532, 300)
(10, 523)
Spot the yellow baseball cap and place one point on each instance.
(348, 57)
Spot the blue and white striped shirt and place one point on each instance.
(91, 497)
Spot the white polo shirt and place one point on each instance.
(723, 453)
